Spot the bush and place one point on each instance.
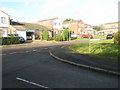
(10, 40)
(65, 34)
(58, 37)
(117, 38)
(45, 35)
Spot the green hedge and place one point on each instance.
(10, 40)
(45, 35)
(117, 38)
(58, 37)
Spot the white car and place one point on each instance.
(74, 35)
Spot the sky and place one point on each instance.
(94, 12)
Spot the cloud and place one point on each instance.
(97, 12)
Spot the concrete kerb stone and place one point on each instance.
(84, 66)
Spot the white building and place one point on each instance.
(54, 24)
(4, 24)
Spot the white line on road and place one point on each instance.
(34, 50)
(20, 79)
(28, 51)
(13, 53)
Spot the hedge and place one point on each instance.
(10, 40)
(45, 35)
(117, 38)
(58, 37)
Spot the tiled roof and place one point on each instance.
(28, 26)
(48, 19)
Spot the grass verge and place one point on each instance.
(100, 49)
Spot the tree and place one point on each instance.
(65, 34)
(45, 35)
(98, 28)
(68, 20)
(117, 38)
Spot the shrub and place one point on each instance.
(58, 37)
(10, 40)
(45, 35)
(117, 38)
(65, 34)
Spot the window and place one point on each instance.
(3, 20)
(82, 25)
(55, 23)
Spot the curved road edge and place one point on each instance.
(84, 66)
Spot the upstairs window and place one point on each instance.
(3, 20)
(55, 23)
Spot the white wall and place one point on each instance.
(22, 33)
(58, 24)
(7, 20)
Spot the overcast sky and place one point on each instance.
(92, 12)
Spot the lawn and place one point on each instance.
(101, 49)
(99, 36)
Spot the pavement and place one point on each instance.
(66, 55)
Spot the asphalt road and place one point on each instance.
(33, 67)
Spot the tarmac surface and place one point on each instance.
(65, 53)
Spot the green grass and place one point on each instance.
(99, 36)
(101, 49)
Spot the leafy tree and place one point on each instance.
(58, 37)
(117, 38)
(41, 35)
(45, 35)
(98, 28)
(68, 20)
(65, 34)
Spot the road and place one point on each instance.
(33, 67)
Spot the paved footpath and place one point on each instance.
(66, 54)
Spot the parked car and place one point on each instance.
(74, 35)
(22, 40)
(86, 35)
(109, 36)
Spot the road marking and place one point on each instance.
(45, 48)
(34, 50)
(20, 79)
(28, 51)
(13, 53)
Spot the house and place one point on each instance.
(108, 28)
(5, 24)
(28, 30)
(54, 24)
(78, 27)
(90, 30)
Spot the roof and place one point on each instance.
(5, 12)
(111, 23)
(28, 26)
(48, 19)
(72, 21)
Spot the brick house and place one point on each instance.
(5, 24)
(111, 27)
(78, 27)
(54, 24)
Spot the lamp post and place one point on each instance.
(69, 31)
